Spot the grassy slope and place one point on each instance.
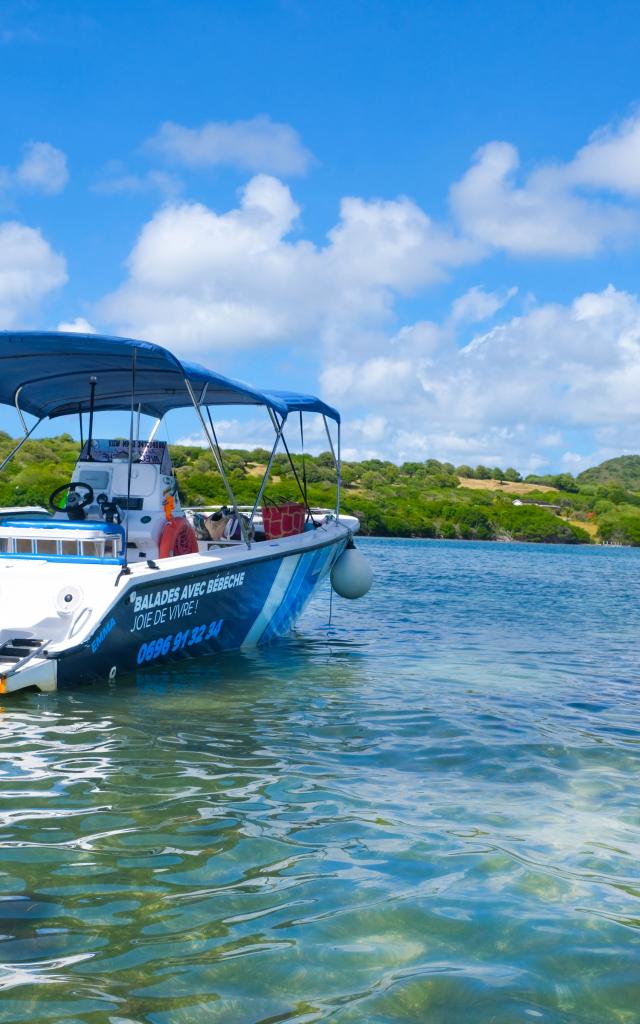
(425, 499)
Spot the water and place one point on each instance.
(428, 812)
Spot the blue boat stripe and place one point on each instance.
(311, 569)
(273, 601)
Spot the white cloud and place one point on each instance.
(551, 440)
(258, 144)
(574, 462)
(77, 326)
(477, 304)
(373, 428)
(556, 368)
(611, 158)
(541, 217)
(252, 432)
(200, 280)
(43, 169)
(390, 376)
(119, 181)
(29, 270)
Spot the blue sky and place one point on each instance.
(429, 212)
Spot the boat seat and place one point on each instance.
(60, 540)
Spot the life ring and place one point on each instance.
(177, 538)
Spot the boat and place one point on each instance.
(116, 575)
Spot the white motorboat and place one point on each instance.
(116, 578)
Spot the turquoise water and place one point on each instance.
(429, 811)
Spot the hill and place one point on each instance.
(415, 499)
(623, 471)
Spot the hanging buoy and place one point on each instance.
(351, 576)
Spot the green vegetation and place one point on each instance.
(623, 472)
(417, 499)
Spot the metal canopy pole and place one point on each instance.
(92, 401)
(20, 444)
(336, 460)
(216, 455)
(295, 473)
(154, 430)
(339, 487)
(134, 363)
(278, 427)
(19, 410)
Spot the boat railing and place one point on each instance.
(58, 541)
(247, 509)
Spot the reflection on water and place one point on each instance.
(427, 811)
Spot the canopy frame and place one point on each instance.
(215, 450)
(107, 374)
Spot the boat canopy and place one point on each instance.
(48, 374)
(296, 402)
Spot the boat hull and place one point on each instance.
(169, 617)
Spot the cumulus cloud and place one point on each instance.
(521, 391)
(253, 431)
(258, 144)
(477, 304)
(388, 377)
(200, 279)
(611, 158)
(119, 181)
(42, 169)
(77, 326)
(543, 216)
(551, 440)
(526, 382)
(29, 270)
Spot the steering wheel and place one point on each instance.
(75, 503)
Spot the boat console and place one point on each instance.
(91, 510)
(101, 490)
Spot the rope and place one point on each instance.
(217, 444)
(295, 473)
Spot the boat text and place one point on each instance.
(102, 635)
(177, 602)
(143, 602)
(171, 644)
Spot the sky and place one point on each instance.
(426, 212)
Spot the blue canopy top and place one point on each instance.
(296, 402)
(48, 374)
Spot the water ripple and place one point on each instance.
(425, 810)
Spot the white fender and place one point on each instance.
(351, 575)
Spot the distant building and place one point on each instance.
(539, 504)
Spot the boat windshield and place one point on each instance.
(148, 453)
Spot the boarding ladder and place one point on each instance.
(17, 651)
